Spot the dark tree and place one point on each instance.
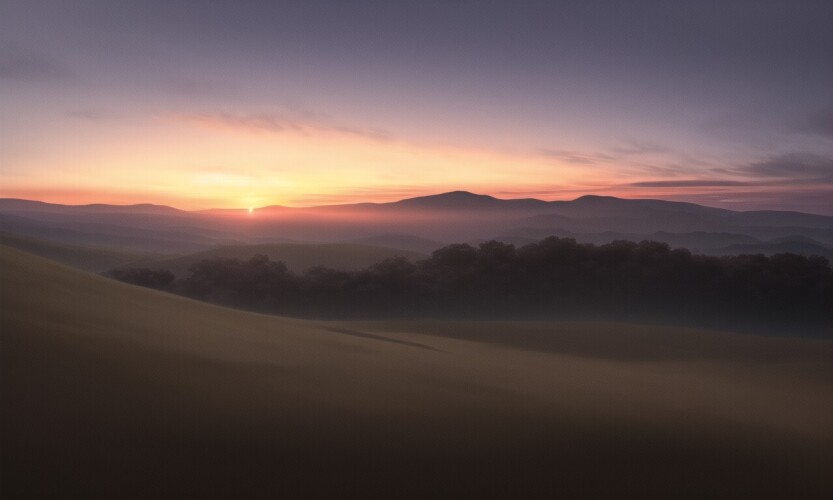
(554, 278)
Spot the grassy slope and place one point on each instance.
(113, 390)
(81, 257)
(297, 256)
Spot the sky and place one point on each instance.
(200, 104)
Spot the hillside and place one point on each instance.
(86, 258)
(110, 390)
(297, 257)
(123, 236)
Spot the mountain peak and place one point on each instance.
(16, 204)
(451, 199)
(595, 197)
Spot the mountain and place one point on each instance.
(601, 206)
(608, 213)
(456, 216)
(464, 200)
(794, 239)
(13, 205)
(114, 391)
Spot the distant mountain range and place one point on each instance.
(422, 224)
(10, 205)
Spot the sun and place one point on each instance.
(251, 210)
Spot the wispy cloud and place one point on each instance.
(21, 65)
(810, 200)
(738, 191)
(578, 158)
(192, 87)
(819, 123)
(356, 194)
(689, 183)
(634, 148)
(774, 172)
(90, 114)
(306, 124)
(796, 167)
(626, 152)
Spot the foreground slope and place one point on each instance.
(116, 391)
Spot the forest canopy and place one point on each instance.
(556, 278)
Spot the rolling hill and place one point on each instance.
(93, 259)
(109, 390)
(122, 236)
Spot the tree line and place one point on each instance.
(556, 278)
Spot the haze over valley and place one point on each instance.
(423, 224)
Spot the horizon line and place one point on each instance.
(379, 203)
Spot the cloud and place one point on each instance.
(632, 148)
(689, 183)
(20, 65)
(87, 114)
(282, 123)
(818, 123)
(621, 153)
(799, 170)
(356, 194)
(815, 200)
(576, 157)
(192, 87)
(804, 167)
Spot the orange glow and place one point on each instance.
(192, 166)
(207, 163)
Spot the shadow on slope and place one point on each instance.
(109, 390)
